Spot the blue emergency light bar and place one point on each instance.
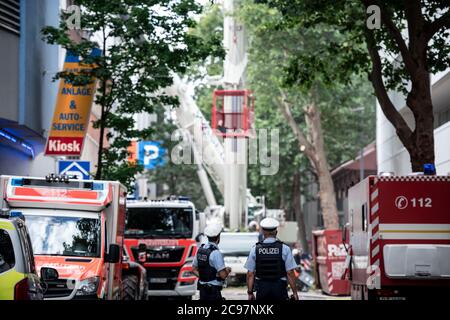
(17, 214)
(179, 198)
(17, 182)
(97, 186)
(18, 143)
(58, 182)
(429, 169)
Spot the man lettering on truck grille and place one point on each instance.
(272, 264)
(209, 266)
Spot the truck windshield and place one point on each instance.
(64, 236)
(159, 223)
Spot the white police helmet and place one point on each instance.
(269, 224)
(213, 230)
(253, 225)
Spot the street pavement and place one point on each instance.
(240, 293)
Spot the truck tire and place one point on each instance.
(130, 287)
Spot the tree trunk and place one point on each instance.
(297, 208)
(419, 101)
(314, 149)
(281, 198)
(103, 116)
(98, 174)
(327, 195)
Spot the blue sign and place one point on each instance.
(151, 154)
(80, 169)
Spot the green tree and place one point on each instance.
(318, 116)
(409, 44)
(142, 42)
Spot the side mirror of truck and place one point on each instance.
(113, 255)
(49, 274)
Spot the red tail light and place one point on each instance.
(21, 290)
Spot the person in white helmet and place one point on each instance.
(209, 265)
(272, 265)
(253, 226)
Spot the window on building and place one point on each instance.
(10, 15)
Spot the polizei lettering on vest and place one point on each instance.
(202, 257)
(58, 146)
(269, 251)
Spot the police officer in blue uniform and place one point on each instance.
(270, 266)
(209, 266)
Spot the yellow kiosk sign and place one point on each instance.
(72, 111)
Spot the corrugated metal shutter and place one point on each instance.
(10, 15)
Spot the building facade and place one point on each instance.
(27, 93)
(27, 89)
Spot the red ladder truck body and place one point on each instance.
(399, 230)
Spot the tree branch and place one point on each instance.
(396, 34)
(286, 110)
(389, 110)
(432, 28)
(416, 24)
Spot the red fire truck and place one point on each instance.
(76, 228)
(399, 230)
(161, 236)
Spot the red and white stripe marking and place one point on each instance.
(375, 245)
(414, 178)
(306, 263)
(330, 281)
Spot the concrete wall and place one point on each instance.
(9, 75)
(27, 93)
(38, 65)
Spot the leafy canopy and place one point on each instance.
(348, 19)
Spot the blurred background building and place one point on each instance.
(27, 90)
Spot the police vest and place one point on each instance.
(205, 271)
(269, 261)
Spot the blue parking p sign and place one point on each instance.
(151, 154)
(79, 169)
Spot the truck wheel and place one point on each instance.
(130, 287)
